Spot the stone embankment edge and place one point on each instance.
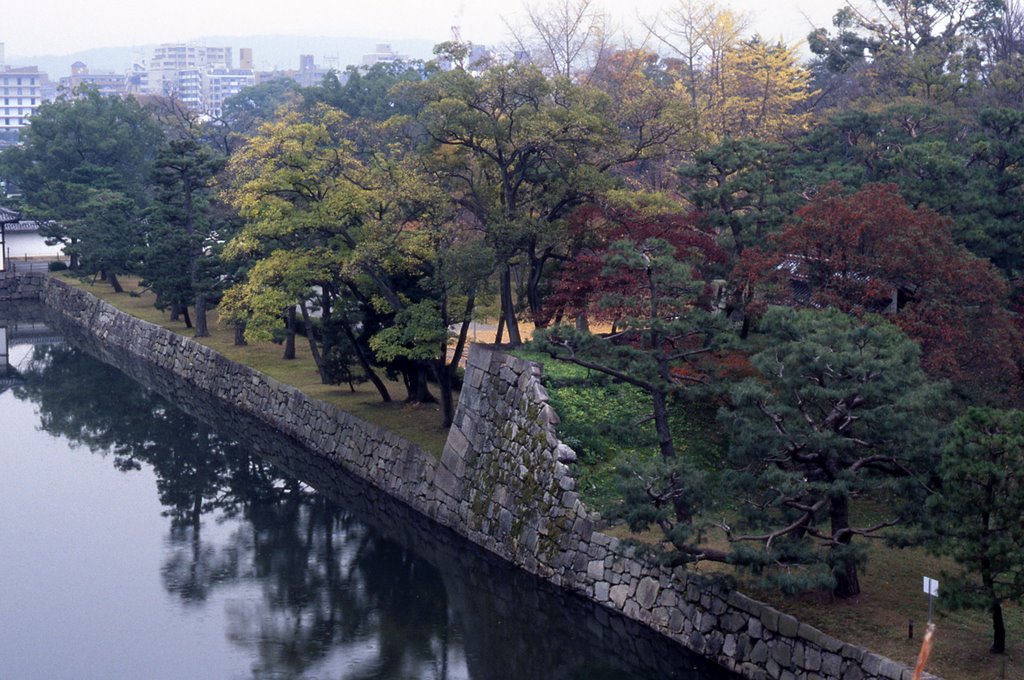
(503, 482)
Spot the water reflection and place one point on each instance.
(347, 583)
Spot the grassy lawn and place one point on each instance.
(417, 422)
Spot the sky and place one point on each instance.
(39, 27)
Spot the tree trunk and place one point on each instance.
(998, 628)
(202, 330)
(668, 452)
(996, 607)
(444, 382)
(175, 311)
(416, 385)
(364, 361)
(501, 329)
(289, 338)
(847, 582)
(508, 309)
(313, 348)
(115, 284)
(188, 319)
(240, 335)
(541, 317)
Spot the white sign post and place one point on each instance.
(931, 586)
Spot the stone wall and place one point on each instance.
(504, 483)
(20, 286)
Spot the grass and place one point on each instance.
(419, 423)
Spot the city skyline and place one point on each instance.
(105, 23)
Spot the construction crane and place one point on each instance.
(456, 24)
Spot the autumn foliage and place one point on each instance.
(585, 281)
(871, 252)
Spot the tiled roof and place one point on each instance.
(7, 215)
(22, 226)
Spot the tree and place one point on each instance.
(566, 38)
(765, 92)
(289, 183)
(841, 407)
(871, 252)
(245, 111)
(367, 93)
(743, 190)
(75, 147)
(662, 334)
(701, 34)
(187, 270)
(928, 49)
(348, 221)
(965, 168)
(975, 517)
(109, 236)
(584, 281)
(518, 152)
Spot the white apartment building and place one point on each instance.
(200, 77)
(383, 54)
(21, 93)
(217, 84)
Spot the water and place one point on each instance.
(137, 541)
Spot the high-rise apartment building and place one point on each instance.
(21, 93)
(200, 77)
(107, 82)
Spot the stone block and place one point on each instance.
(788, 625)
(812, 659)
(647, 592)
(891, 670)
(831, 664)
(618, 595)
(782, 653)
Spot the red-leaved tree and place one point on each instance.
(584, 282)
(871, 252)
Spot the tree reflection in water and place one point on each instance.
(352, 583)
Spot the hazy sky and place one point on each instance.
(35, 27)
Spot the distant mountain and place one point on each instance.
(270, 52)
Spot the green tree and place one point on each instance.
(743, 188)
(841, 409)
(109, 236)
(975, 517)
(76, 146)
(367, 93)
(927, 49)
(186, 265)
(659, 342)
(344, 216)
(518, 152)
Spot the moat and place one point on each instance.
(141, 541)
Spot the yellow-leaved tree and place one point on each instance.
(765, 92)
